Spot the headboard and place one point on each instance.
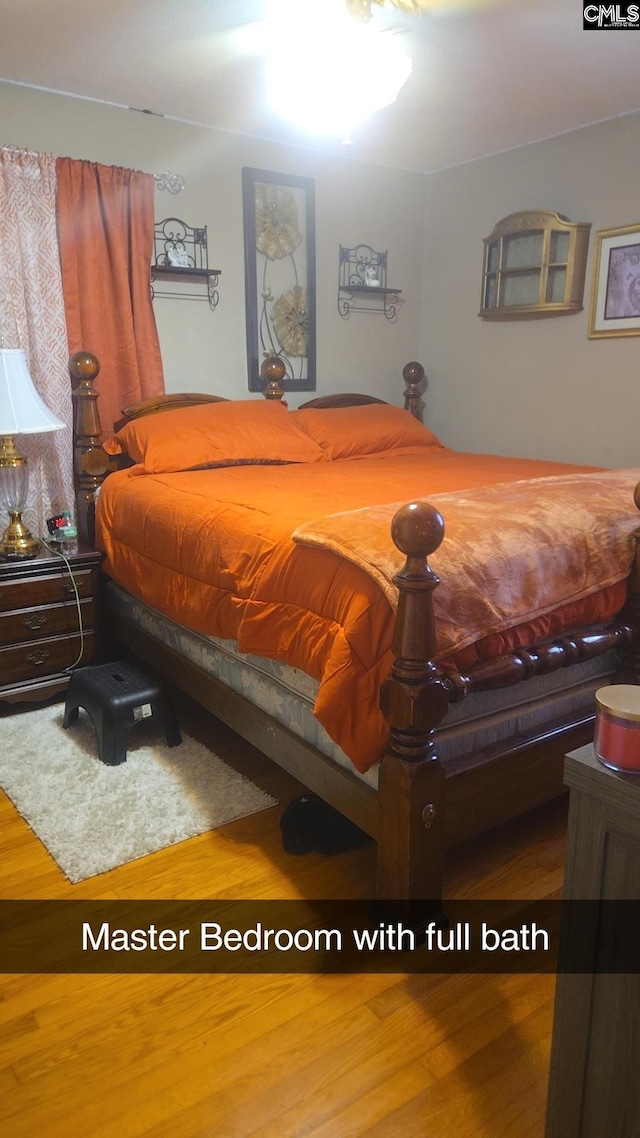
(165, 403)
(91, 462)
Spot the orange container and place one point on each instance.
(617, 736)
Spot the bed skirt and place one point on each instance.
(287, 694)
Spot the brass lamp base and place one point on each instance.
(17, 544)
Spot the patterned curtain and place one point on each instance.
(32, 317)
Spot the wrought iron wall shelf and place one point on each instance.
(362, 283)
(181, 256)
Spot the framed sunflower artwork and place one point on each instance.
(280, 272)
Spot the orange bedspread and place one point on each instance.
(212, 550)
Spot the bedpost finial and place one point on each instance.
(84, 366)
(413, 372)
(273, 370)
(417, 529)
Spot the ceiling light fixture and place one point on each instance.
(362, 8)
(328, 71)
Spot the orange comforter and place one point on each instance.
(212, 550)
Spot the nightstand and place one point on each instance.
(39, 626)
(594, 1089)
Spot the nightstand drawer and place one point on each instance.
(43, 658)
(45, 590)
(48, 620)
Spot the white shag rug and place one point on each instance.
(92, 817)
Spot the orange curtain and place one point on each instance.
(105, 230)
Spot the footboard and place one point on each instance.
(424, 807)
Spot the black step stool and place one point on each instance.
(116, 697)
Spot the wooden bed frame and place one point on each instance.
(422, 806)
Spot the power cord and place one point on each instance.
(58, 552)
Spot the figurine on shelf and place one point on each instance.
(177, 258)
(370, 278)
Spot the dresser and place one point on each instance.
(594, 1084)
(39, 622)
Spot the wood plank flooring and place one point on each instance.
(189, 1056)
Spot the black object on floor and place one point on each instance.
(116, 697)
(310, 825)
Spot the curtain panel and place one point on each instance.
(32, 317)
(105, 228)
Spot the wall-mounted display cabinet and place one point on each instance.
(534, 266)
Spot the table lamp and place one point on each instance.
(22, 412)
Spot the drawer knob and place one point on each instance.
(38, 657)
(69, 586)
(34, 621)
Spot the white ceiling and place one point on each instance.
(488, 75)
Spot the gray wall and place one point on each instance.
(536, 388)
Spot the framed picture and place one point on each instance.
(615, 300)
(280, 275)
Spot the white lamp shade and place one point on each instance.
(22, 411)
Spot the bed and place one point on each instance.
(313, 560)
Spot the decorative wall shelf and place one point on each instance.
(181, 256)
(362, 283)
(534, 266)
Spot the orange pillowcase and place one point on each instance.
(372, 429)
(214, 434)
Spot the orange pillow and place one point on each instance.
(372, 429)
(214, 434)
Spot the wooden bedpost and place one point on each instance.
(89, 459)
(273, 371)
(414, 700)
(413, 374)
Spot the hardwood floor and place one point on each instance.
(276, 1056)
